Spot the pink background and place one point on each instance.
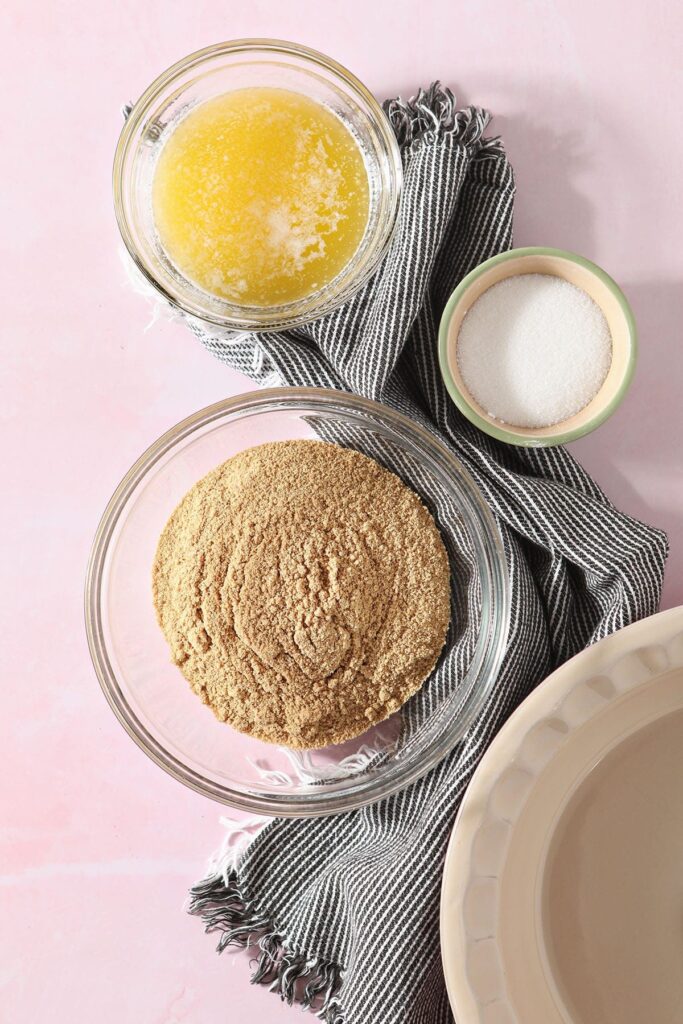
(97, 845)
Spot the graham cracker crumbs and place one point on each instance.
(304, 592)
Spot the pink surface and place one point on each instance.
(98, 846)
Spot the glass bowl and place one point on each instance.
(152, 699)
(223, 68)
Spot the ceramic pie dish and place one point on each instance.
(562, 898)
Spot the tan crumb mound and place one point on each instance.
(304, 592)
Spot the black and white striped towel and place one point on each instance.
(345, 908)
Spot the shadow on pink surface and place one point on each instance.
(636, 457)
(639, 462)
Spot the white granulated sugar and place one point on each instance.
(533, 350)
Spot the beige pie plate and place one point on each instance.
(562, 899)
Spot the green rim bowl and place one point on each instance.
(578, 271)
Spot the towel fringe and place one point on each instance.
(433, 113)
(312, 982)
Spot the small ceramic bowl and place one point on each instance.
(578, 271)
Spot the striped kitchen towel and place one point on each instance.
(345, 910)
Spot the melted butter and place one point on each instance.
(260, 196)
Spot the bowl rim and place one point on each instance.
(292, 315)
(318, 800)
(507, 433)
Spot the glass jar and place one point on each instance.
(219, 69)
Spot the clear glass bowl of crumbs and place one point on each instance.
(156, 705)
